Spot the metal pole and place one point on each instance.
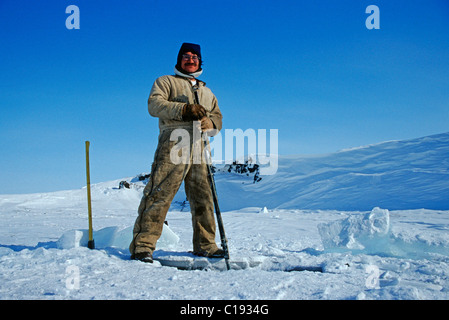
(224, 241)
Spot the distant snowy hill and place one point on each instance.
(409, 174)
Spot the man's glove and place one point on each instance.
(206, 124)
(192, 112)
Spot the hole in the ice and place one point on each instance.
(305, 268)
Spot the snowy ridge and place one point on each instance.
(397, 175)
(392, 244)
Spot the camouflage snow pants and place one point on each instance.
(165, 180)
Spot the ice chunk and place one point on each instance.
(105, 237)
(368, 233)
(263, 210)
(112, 237)
(73, 239)
(168, 239)
(123, 238)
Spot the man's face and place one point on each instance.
(190, 62)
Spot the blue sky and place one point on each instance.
(310, 69)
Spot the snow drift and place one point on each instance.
(397, 175)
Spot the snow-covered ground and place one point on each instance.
(366, 223)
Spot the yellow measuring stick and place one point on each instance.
(90, 243)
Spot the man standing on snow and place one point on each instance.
(172, 100)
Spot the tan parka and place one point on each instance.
(168, 96)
